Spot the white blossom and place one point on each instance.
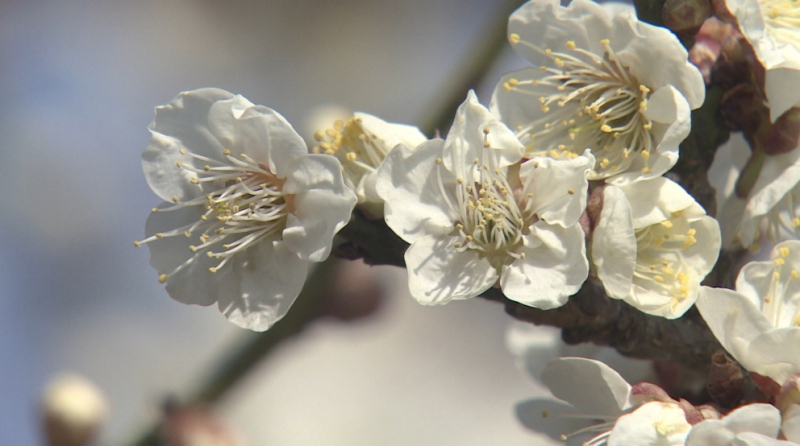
(247, 208)
(653, 245)
(759, 323)
(361, 144)
(475, 218)
(601, 408)
(773, 29)
(749, 425)
(621, 87)
(773, 203)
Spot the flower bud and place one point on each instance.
(73, 409)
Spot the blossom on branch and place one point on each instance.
(475, 217)
(361, 144)
(773, 29)
(622, 415)
(749, 425)
(247, 208)
(759, 323)
(773, 202)
(618, 86)
(653, 245)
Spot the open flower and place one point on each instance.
(361, 144)
(773, 28)
(474, 217)
(621, 87)
(773, 203)
(247, 210)
(653, 245)
(617, 413)
(759, 323)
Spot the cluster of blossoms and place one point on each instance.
(560, 180)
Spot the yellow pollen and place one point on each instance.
(783, 252)
(351, 156)
(506, 86)
(677, 214)
(779, 262)
(179, 163)
(796, 222)
(513, 38)
(795, 274)
(658, 279)
(438, 161)
(767, 299)
(159, 235)
(548, 51)
(486, 130)
(646, 170)
(571, 45)
(182, 150)
(776, 275)
(162, 278)
(645, 154)
(154, 210)
(605, 42)
(513, 82)
(226, 152)
(606, 128)
(571, 191)
(136, 244)
(213, 270)
(666, 223)
(175, 198)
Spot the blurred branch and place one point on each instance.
(256, 346)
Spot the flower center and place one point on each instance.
(491, 221)
(783, 220)
(659, 256)
(246, 204)
(359, 151)
(590, 101)
(783, 17)
(778, 302)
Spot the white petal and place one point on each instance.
(552, 418)
(466, 138)
(438, 273)
(710, 433)
(263, 283)
(417, 192)
(653, 201)
(183, 123)
(791, 423)
(733, 319)
(754, 281)
(779, 174)
(533, 346)
(762, 419)
(194, 284)
(559, 187)
(550, 272)
(655, 423)
(781, 88)
(614, 244)
(323, 205)
(391, 134)
(258, 131)
(775, 354)
(753, 439)
(602, 391)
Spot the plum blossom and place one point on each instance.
(773, 203)
(749, 425)
(247, 209)
(773, 29)
(600, 80)
(759, 323)
(653, 245)
(361, 144)
(475, 217)
(621, 414)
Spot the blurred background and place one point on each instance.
(79, 81)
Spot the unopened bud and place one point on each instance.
(73, 409)
(789, 395)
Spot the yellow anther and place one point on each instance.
(226, 152)
(571, 45)
(645, 154)
(783, 252)
(605, 42)
(213, 270)
(666, 223)
(438, 161)
(513, 38)
(136, 244)
(179, 163)
(351, 156)
(658, 279)
(646, 170)
(571, 191)
(182, 150)
(506, 86)
(174, 198)
(606, 128)
(162, 278)
(779, 261)
(513, 82)
(776, 275)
